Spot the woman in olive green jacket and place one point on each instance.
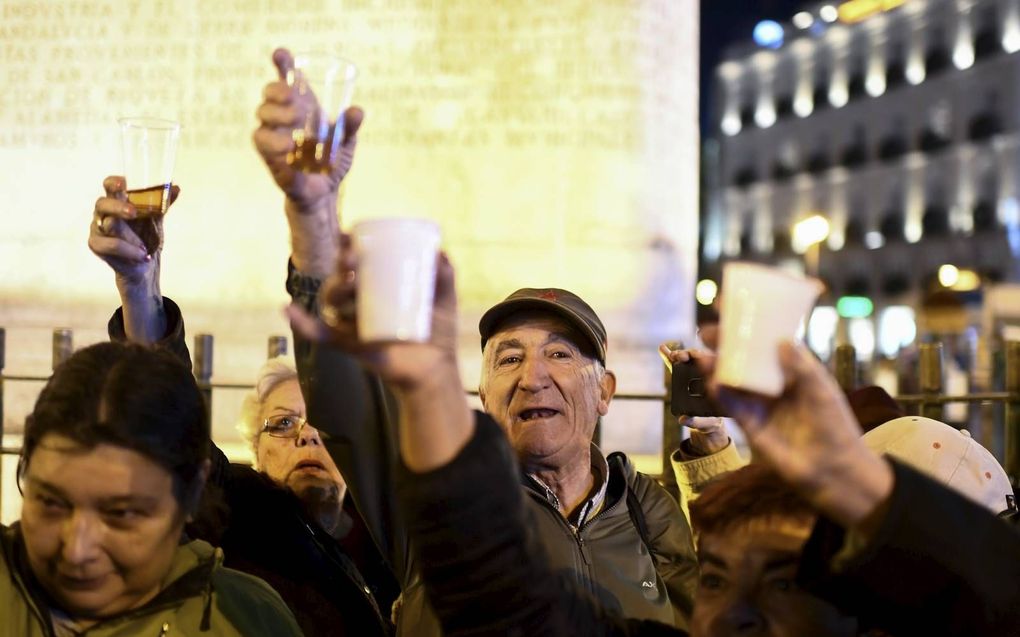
(115, 456)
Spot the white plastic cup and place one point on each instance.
(396, 278)
(760, 307)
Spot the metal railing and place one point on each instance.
(63, 347)
(929, 402)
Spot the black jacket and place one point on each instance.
(264, 531)
(937, 565)
(607, 557)
(482, 562)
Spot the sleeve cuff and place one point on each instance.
(692, 474)
(466, 482)
(303, 289)
(174, 325)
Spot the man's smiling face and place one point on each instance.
(543, 389)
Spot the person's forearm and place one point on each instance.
(314, 236)
(435, 419)
(144, 317)
(853, 489)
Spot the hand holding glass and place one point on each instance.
(324, 86)
(150, 149)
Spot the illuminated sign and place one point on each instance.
(857, 10)
(854, 306)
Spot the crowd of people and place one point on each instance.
(379, 503)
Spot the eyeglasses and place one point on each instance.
(287, 426)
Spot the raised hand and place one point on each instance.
(131, 247)
(405, 365)
(114, 239)
(283, 108)
(810, 437)
(708, 434)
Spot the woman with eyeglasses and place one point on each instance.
(284, 518)
(115, 457)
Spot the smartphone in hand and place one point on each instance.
(690, 392)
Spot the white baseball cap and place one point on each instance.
(946, 454)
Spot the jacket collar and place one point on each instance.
(191, 574)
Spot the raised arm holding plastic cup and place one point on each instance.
(811, 438)
(423, 375)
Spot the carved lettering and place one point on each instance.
(458, 74)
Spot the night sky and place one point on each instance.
(726, 21)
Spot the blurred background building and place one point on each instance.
(873, 143)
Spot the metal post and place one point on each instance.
(846, 367)
(277, 346)
(203, 368)
(3, 361)
(671, 437)
(1013, 411)
(931, 379)
(62, 345)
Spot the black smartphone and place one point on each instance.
(690, 394)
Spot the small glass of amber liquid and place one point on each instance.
(150, 149)
(324, 85)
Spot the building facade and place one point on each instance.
(894, 121)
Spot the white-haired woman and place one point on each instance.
(285, 520)
(288, 449)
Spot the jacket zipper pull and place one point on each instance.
(165, 630)
(582, 548)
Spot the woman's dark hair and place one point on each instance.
(140, 398)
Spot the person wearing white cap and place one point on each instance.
(949, 456)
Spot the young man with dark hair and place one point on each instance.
(751, 531)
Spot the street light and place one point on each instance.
(808, 235)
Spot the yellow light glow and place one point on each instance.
(874, 84)
(803, 20)
(1011, 33)
(949, 275)
(705, 291)
(730, 70)
(915, 69)
(857, 10)
(963, 53)
(803, 105)
(966, 281)
(810, 231)
(731, 123)
(765, 114)
(912, 229)
(838, 93)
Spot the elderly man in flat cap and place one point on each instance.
(544, 380)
